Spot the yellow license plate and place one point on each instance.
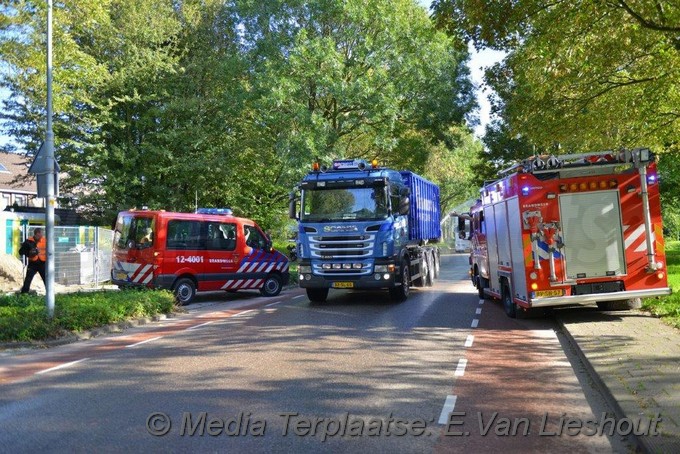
(343, 284)
(121, 276)
(547, 293)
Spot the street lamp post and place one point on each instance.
(50, 180)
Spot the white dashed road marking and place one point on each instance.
(143, 342)
(61, 366)
(449, 405)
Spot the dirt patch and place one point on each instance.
(12, 274)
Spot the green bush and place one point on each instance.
(24, 317)
(668, 307)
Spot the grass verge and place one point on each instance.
(668, 307)
(24, 317)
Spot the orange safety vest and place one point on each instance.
(42, 250)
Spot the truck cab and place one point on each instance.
(353, 229)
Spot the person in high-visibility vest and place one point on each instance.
(35, 248)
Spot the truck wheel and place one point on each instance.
(424, 272)
(185, 290)
(437, 264)
(508, 303)
(317, 295)
(401, 293)
(481, 283)
(271, 286)
(430, 269)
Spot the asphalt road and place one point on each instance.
(355, 374)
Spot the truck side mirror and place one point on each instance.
(292, 212)
(404, 206)
(463, 223)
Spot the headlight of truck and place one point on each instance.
(384, 269)
(304, 269)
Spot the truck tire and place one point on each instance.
(185, 290)
(272, 285)
(401, 293)
(317, 295)
(508, 304)
(481, 283)
(424, 272)
(430, 269)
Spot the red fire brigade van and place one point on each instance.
(189, 252)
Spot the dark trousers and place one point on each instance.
(33, 267)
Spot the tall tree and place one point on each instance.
(587, 74)
(164, 102)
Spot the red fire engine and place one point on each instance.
(570, 230)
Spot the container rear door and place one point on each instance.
(592, 233)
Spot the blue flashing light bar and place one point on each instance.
(222, 211)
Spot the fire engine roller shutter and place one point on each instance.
(593, 237)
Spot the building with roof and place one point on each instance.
(17, 188)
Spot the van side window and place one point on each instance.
(254, 238)
(144, 232)
(185, 235)
(221, 236)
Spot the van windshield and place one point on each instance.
(133, 232)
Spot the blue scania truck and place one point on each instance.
(361, 226)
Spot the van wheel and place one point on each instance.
(271, 286)
(508, 303)
(401, 293)
(185, 290)
(317, 295)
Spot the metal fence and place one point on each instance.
(82, 254)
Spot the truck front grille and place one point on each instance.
(346, 247)
(335, 252)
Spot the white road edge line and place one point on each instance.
(460, 369)
(143, 342)
(273, 304)
(61, 366)
(479, 311)
(475, 322)
(481, 302)
(470, 339)
(244, 312)
(449, 405)
(198, 326)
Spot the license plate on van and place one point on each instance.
(343, 284)
(121, 276)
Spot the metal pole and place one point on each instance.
(50, 180)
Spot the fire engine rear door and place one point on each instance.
(592, 234)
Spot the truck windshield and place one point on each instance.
(343, 204)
